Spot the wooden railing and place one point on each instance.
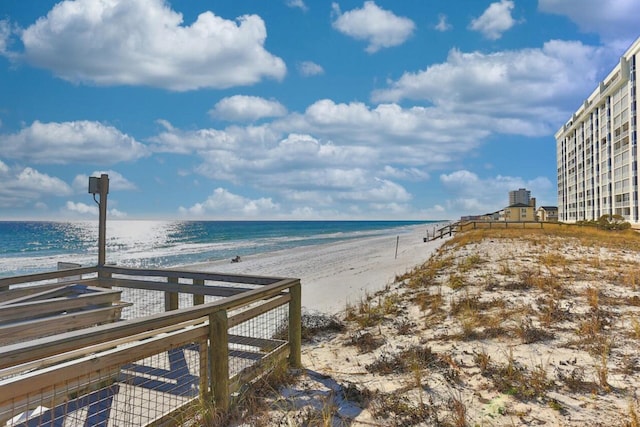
(229, 330)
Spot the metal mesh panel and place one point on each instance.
(252, 340)
(145, 302)
(122, 395)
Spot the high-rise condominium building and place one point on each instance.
(522, 196)
(597, 150)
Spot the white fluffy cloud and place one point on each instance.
(85, 210)
(5, 33)
(495, 20)
(379, 27)
(443, 24)
(69, 142)
(308, 68)
(223, 203)
(27, 186)
(242, 108)
(528, 91)
(145, 42)
(297, 3)
(613, 20)
(82, 208)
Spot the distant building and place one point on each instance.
(519, 212)
(547, 213)
(520, 196)
(597, 154)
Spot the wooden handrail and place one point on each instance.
(14, 354)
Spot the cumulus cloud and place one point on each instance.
(299, 167)
(614, 21)
(409, 174)
(308, 68)
(495, 20)
(69, 142)
(81, 208)
(528, 91)
(297, 3)
(443, 24)
(5, 34)
(117, 182)
(223, 203)
(244, 108)
(379, 27)
(145, 42)
(85, 210)
(233, 138)
(27, 186)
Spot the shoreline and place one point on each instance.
(335, 274)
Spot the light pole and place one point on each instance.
(101, 186)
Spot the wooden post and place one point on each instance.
(397, 241)
(295, 326)
(219, 358)
(171, 298)
(198, 299)
(205, 393)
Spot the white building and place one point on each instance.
(597, 150)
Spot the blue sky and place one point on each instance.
(293, 109)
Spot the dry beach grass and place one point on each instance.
(498, 328)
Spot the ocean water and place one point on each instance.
(31, 247)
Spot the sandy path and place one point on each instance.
(337, 273)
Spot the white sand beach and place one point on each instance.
(336, 273)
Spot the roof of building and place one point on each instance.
(520, 205)
(549, 208)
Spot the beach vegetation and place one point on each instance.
(456, 281)
(602, 371)
(613, 222)
(372, 310)
(635, 327)
(400, 410)
(514, 379)
(634, 419)
(365, 341)
(529, 334)
(250, 405)
(558, 289)
(314, 323)
(469, 262)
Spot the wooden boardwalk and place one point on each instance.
(145, 370)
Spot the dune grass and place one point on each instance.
(485, 313)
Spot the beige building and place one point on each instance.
(519, 212)
(547, 213)
(597, 154)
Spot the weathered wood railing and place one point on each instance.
(473, 225)
(232, 327)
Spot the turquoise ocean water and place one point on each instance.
(30, 247)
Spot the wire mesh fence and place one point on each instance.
(133, 392)
(149, 375)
